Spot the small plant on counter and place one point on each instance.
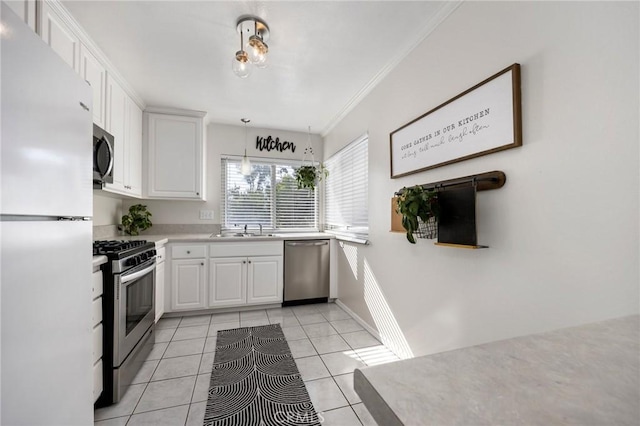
(138, 219)
(414, 203)
(308, 176)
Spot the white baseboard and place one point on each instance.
(359, 320)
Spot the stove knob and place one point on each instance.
(153, 252)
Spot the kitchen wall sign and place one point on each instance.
(271, 144)
(484, 119)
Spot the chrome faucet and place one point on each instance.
(245, 228)
(260, 225)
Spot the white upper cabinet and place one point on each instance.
(57, 34)
(175, 155)
(133, 171)
(25, 9)
(117, 120)
(124, 122)
(95, 73)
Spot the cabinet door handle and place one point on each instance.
(249, 261)
(201, 263)
(244, 261)
(188, 252)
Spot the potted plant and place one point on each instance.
(138, 219)
(308, 176)
(415, 205)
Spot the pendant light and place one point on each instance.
(256, 48)
(245, 167)
(240, 63)
(254, 53)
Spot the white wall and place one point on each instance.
(225, 140)
(563, 231)
(107, 209)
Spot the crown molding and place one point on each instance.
(430, 26)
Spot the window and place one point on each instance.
(346, 190)
(268, 197)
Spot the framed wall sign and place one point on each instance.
(484, 119)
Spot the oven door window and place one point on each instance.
(139, 301)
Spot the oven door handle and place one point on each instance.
(135, 275)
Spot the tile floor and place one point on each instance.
(327, 344)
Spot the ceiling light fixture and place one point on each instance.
(245, 166)
(256, 49)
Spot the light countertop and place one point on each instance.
(580, 375)
(207, 238)
(99, 260)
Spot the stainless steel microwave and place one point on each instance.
(102, 157)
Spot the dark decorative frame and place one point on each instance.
(512, 140)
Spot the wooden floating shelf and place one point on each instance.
(464, 246)
(483, 181)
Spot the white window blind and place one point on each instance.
(346, 190)
(268, 197)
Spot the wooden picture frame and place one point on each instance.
(484, 119)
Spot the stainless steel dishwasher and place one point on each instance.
(306, 271)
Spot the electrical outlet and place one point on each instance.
(206, 215)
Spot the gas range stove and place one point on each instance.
(125, 254)
(128, 312)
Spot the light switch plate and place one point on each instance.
(206, 215)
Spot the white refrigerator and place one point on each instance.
(46, 234)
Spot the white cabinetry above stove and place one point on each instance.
(173, 135)
(124, 122)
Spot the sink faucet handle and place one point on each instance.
(260, 225)
(245, 228)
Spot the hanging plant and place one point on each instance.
(138, 219)
(309, 176)
(416, 203)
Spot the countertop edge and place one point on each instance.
(206, 238)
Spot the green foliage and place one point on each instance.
(416, 203)
(307, 176)
(137, 220)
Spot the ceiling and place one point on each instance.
(324, 56)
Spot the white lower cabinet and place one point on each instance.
(160, 281)
(264, 279)
(96, 322)
(227, 281)
(188, 281)
(236, 274)
(236, 281)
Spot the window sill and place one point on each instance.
(350, 238)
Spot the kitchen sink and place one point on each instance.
(240, 235)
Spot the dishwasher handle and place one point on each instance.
(306, 243)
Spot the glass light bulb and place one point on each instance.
(257, 51)
(245, 166)
(240, 64)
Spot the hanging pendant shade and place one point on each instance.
(245, 166)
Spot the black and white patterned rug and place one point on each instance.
(255, 381)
